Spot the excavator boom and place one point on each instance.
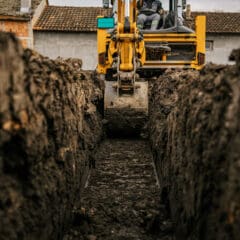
(128, 55)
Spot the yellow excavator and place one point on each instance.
(128, 55)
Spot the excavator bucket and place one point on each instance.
(126, 114)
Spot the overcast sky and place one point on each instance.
(206, 5)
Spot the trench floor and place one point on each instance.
(121, 200)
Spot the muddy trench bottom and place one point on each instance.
(122, 198)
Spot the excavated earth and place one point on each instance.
(49, 128)
(194, 133)
(121, 200)
(60, 180)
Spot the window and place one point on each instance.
(209, 45)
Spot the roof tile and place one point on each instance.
(219, 22)
(71, 19)
(83, 19)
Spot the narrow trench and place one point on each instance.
(121, 199)
(194, 129)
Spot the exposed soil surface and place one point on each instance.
(49, 128)
(126, 123)
(122, 200)
(194, 132)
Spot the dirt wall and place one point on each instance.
(49, 128)
(194, 133)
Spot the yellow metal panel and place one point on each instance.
(101, 40)
(201, 36)
(128, 46)
(126, 53)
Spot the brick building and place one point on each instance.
(19, 16)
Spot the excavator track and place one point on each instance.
(122, 199)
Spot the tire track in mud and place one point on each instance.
(122, 198)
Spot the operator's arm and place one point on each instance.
(139, 4)
(159, 5)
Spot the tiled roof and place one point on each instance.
(83, 19)
(70, 19)
(12, 7)
(219, 22)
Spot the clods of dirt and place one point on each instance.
(49, 128)
(122, 200)
(194, 133)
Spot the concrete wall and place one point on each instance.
(76, 45)
(222, 47)
(84, 46)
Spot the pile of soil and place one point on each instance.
(194, 132)
(49, 128)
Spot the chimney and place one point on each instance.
(188, 12)
(25, 6)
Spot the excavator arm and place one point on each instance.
(121, 53)
(127, 55)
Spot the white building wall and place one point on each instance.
(223, 44)
(66, 45)
(84, 46)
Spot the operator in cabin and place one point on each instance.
(149, 11)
